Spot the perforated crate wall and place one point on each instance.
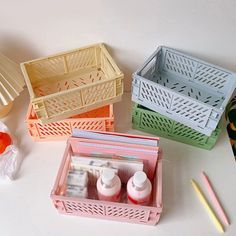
(107, 210)
(99, 119)
(72, 83)
(126, 212)
(152, 122)
(183, 88)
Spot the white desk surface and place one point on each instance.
(26, 208)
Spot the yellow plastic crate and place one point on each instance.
(73, 82)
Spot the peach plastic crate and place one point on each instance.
(119, 211)
(72, 82)
(99, 119)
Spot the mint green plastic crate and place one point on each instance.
(152, 122)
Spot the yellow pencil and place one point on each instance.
(207, 206)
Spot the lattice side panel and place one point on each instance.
(32, 128)
(54, 129)
(190, 110)
(128, 213)
(81, 59)
(100, 112)
(181, 130)
(84, 208)
(119, 86)
(66, 84)
(155, 122)
(43, 90)
(63, 103)
(212, 77)
(107, 67)
(188, 90)
(179, 64)
(89, 125)
(155, 95)
(99, 92)
(46, 68)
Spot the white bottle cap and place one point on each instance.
(107, 176)
(139, 179)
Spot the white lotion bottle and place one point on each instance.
(139, 189)
(109, 186)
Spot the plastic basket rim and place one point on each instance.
(159, 47)
(36, 120)
(218, 127)
(64, 52)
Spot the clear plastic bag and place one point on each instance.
(10, 158)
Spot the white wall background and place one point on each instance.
(131, 28)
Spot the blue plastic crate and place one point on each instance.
(183, 88)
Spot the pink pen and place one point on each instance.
(214, 198)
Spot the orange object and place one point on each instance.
(99, 119)
(5, 141)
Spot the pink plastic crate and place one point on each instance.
(119, 211)
(99, 119)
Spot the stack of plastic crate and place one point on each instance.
(181, 98)
(74, 89)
